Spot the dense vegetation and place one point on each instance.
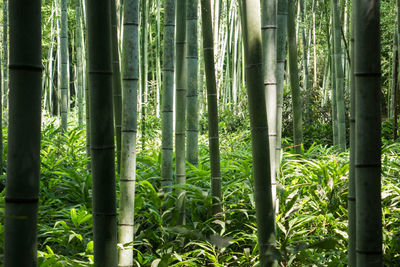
(311, 225)
(235, 138)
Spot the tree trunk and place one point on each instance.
(212, 106)
(21, 199)
(102, 132)
(130, 69)
(158, 60)
(280, 79)
(143, 69)
(79, 61)
(315, 80)
(268, 31)
(304, 50)
(395, 80)
(339, 76)
(180, 79)
(294, 81)
(335, 127)
(167, 94)
(368, 133)
(1, 130)
(64, 66)
(352, 258)
(86, 81)
(116, 81)
(259, 132)
(192, 69)
(5, 54)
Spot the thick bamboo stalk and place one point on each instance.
(339, 79)
(368, 133)
(167, 94)
(212, 105)
(130, 71)
(259, 132)
(102, 132)
(22, 185)
(268, 31)
(352, 258)
(180, 79)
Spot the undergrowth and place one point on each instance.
(311, 223)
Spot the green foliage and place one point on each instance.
(316, 129)
(387, 130)
(311, 225)
(313, 199)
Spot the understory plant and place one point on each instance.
(311, 224)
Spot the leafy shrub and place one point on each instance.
(311, 223)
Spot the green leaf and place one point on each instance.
(89, 247)
(49, 250)
(327, 243)
(74, 217)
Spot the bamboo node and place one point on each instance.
(269, 27)
(127, 180)
(371, 165)
(104, 214)
(21, 200)
(125, 224)
(102, 147)
(26, 67)
(128, 131)
(131, 24)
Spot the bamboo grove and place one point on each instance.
(288, 67)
